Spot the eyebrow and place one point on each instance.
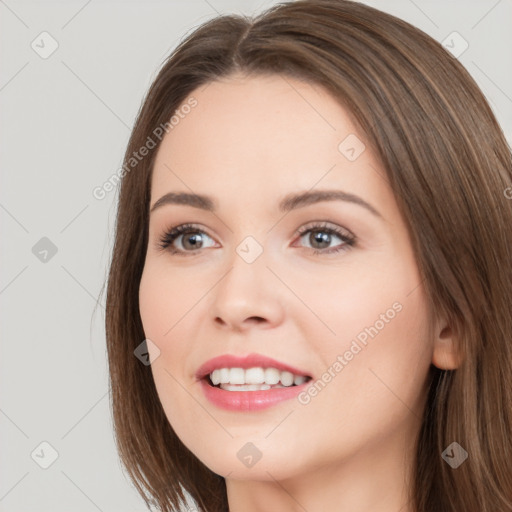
(288, 203)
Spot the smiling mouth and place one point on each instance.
(252, 387)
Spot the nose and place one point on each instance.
(248, 295)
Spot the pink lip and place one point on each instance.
(249, 400)
(250, 361)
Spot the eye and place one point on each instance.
(320, 237)
(190, 236)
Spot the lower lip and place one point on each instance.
(249, 400)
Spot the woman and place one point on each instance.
(312, 266)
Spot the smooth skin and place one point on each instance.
(249, 142)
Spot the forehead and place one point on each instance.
(255, 133)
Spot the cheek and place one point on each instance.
(381, 336)
(375, 317)
(165, 296)
(169, 304)
(370, 293)
(163, 304)
(164, 299)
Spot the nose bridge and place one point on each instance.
(248, 288)
(248, 267)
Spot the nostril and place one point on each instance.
(256, 319)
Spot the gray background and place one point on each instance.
(65, 124)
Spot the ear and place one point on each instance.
(446, 349)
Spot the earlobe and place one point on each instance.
(446, 354)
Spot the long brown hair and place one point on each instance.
(450, 169)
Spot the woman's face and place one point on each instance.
(351, 315)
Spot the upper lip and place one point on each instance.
(249, 361)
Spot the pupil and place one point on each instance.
(193, 239)
(322, 237)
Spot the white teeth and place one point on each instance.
(223, 375)
(237, 376)
(246, 387)
(286, 378)
(299, 379)
(254, 376)
(257, 376)
(272, 375)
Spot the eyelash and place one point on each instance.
(172, 234)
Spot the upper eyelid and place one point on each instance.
(320, 224)
(323, 224)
